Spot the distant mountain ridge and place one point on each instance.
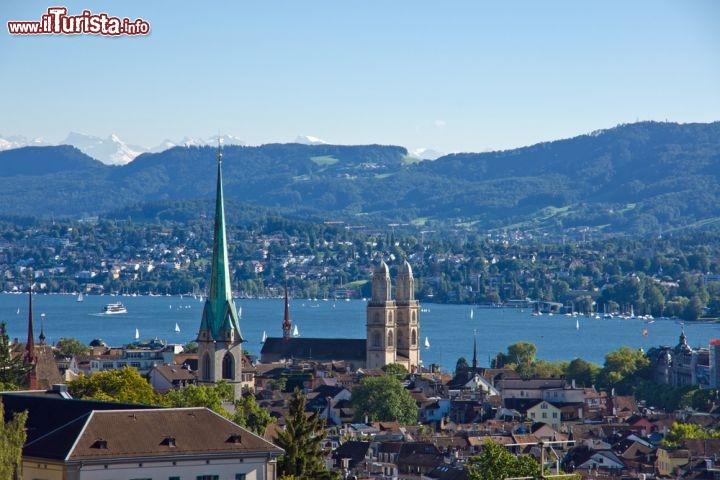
(641, 178)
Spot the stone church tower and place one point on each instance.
(408, 320)
(393, 326)
(219, 339)
(380, 320)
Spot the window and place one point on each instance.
(554, 414)
(206, 367)
(240, 476)
(390, 342)
(228, 367)
(173, 478)
(376, 339)
(544, 414)
(413, 338)
(207, 477)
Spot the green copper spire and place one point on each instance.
(219, 314)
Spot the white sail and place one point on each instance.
(80, 297)
(137, 334)
(296, 332)
(471, 313)
(577, 324)
(427, 342)
(264, 337)
(177, 328)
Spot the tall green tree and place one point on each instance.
(12, 439)
(71, 347)
(623, 368)
(125, 385)
(497, 463)
(383, 399)
(250, 415)
(12, 370)
(302, 441)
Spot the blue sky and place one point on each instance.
(451, 76)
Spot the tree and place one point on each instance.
(12, 370)
(384, 399)
(583, 372)
(395, 369)
(71, 347)
(250, 415)
(210, 396)
(12, 439)
(496, 463)
(682, 431)
(302, 441)
(621, 367)
(125, 385)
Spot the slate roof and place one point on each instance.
(47, 413)
(137, 434)
(323, 349)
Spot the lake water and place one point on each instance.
(449, 328)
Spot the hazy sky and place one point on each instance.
(452, 76)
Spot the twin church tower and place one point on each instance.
(393, 326)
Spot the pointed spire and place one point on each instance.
(42, 329)
(30, 345)
(475, 360)
(219, 314)
(286, 326)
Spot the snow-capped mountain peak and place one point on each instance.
(110, 151)
(425, 153)
(310, 140)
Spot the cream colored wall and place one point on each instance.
(255, 469)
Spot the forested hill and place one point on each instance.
(632, 179)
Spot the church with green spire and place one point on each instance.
(219, 338)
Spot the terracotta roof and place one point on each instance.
(138, 434)
(175, 372)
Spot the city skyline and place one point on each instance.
(462, 77)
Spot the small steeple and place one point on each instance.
(286, 326)
(474, 360)
(42, 329)
(30, 345)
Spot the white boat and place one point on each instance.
(577, 324)
(177, 328)
(114, 308)
(137, 334)
(471, 313)
(80, 297)
(427, 342)
(264, 337)
(296, 332)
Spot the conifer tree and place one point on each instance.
(12, 439)
(302, 441)
(12, 370)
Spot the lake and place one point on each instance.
(449, 328)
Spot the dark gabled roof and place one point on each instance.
(353, 449)
(419, 453)
(103, 435)
(46, 413)
(448, 472)
(323, 349)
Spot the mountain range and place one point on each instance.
(634, 179)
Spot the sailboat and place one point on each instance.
(177, 328)
(264, 337)
(472, 312)
(296, 333)
(80, 297)
(577, 324)
(137, 334)
(427, 342)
